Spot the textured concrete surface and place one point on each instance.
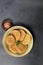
(28, 13)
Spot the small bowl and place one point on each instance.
(30, 45)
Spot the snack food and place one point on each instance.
(23, 33)
(9, 40)
(18, 41)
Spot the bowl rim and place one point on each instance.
(29, 48)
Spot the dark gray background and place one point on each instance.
(30, 14)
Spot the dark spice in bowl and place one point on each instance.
(7, 23)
